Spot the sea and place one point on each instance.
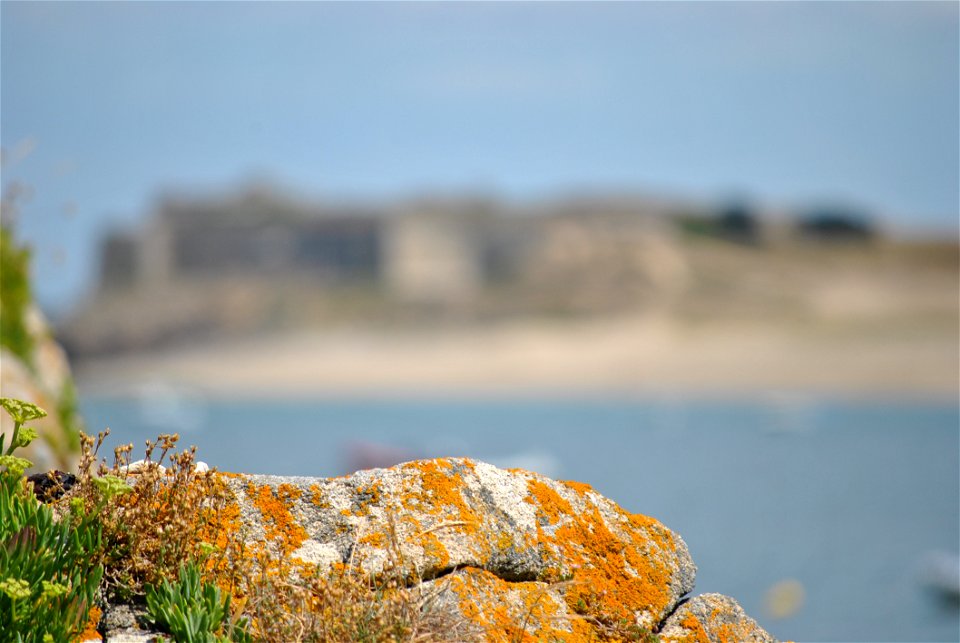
(846, 504)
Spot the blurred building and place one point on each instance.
(259, 260)
(257, 233)
(430, 250)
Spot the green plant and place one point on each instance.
(68, 414)
(21, 412)
(194, 612)
(14, 297)
(48, 573)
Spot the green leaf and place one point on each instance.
(190, 609)
(111, 486)
(25, 436)
(54, 559)
(16, 466)
(15, 588)
(21, 411)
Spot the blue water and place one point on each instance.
(843, 497)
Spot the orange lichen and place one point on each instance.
(278, 523)
(437, 491)
(713, 629)
(693, 625)
(369, 495)
(504, 541)
(90, 632)
(316, 497)
(435, 550)
(440, 489)
(580, 487)
(731, 632)
(617, 560)
(375, 539)
(614, 578)
(515, 612)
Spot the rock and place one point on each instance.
(133, 636)
(119, 617)
(512, 550)
(51, 485)
(713, 618)
(46, 382)
(454, 513)
(137, 467)
(516, 556)
(124, 624)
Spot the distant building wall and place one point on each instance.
(346, 248)
(192, 240)
(432, 257)
(156, 256)
(119, 262)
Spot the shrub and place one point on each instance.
(48, 573)
(162, 522)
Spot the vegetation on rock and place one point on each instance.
(194, 611)
(171, 537)
(49, 574)
(438, 550)
(15, 298)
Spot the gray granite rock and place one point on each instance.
(713, 617)
(516, 554)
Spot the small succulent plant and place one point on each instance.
(194, 611)
(48, 573)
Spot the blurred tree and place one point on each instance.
(836, 224)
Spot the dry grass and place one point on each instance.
(175, 514)
(152, 530)
(346, 604)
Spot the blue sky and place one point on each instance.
(104, 105)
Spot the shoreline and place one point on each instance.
(629, 357)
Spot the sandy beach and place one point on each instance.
(632, 355)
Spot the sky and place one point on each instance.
(105, 105)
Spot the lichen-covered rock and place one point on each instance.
(511, 555)
(515, 551)
(122, 623)
(713, 618)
